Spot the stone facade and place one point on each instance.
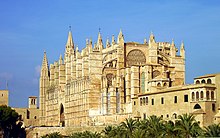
(29, 116)
(199, 99)
(98, 85)
(4, 97)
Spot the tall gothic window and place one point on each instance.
(201, 95)
(109, 79)
(108, 102)
(102, 102)
(146, 100)
(124, 89)
(117, 101)
(197, 96)
(207, 95)
(142, 82)
(28, 114)
(193, 96)
(212, 95)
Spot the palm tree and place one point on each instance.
(52, 135)
(212, 130)
(143, 124)
(85, 134)
(155, 127)
(107, 130)
(170, 131)
(76, 135)
(139, 133)
(188, 126)
(129, 125)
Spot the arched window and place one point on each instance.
(193, 96)
(146, 100)
(28, 114)
(207, 95)
(158, 85)
(140, 101)
(109, 79)
(142, 82)
(197, 96)
(209, 81)
(203, 81)
(197, 82)
(175, 116)
(197, 106)
(201, 95)
(212, 95)
(136, 57)
(165, 84)
(62, 116)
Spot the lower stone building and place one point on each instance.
(200, 99)
(29, 116)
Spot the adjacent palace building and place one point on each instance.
(102, 85)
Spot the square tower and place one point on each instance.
(4, 97)
(32, 102)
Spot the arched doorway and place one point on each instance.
(62, 117)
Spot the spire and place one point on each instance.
(87, 42)
(145, 41)
(45, 63)
(77, 48)
(113, 39)
(120, 38)
(172, 44)
(182, 46)
(69, 43)
(90, 45)
(99, 45)
(182, 50)
(107, 43)
(173, 49)
(44, 67)
(60, 60)
(152, 38)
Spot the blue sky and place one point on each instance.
(27, 28)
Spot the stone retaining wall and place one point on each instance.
(37, 132)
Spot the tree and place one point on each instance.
(129, 125)
(139, 133)
(107, 130)
(155, 128)
(212, 130)
(188, 126)
(52, 135)
(170, 131)
(85, 134)
(9, 123)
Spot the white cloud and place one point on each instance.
(37, 70)
(35, 81)
(6, 75)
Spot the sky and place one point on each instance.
(27, 28)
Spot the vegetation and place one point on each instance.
(9, 124)
(53, 135)
(185, 126)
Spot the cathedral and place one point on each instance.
(102, 85)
